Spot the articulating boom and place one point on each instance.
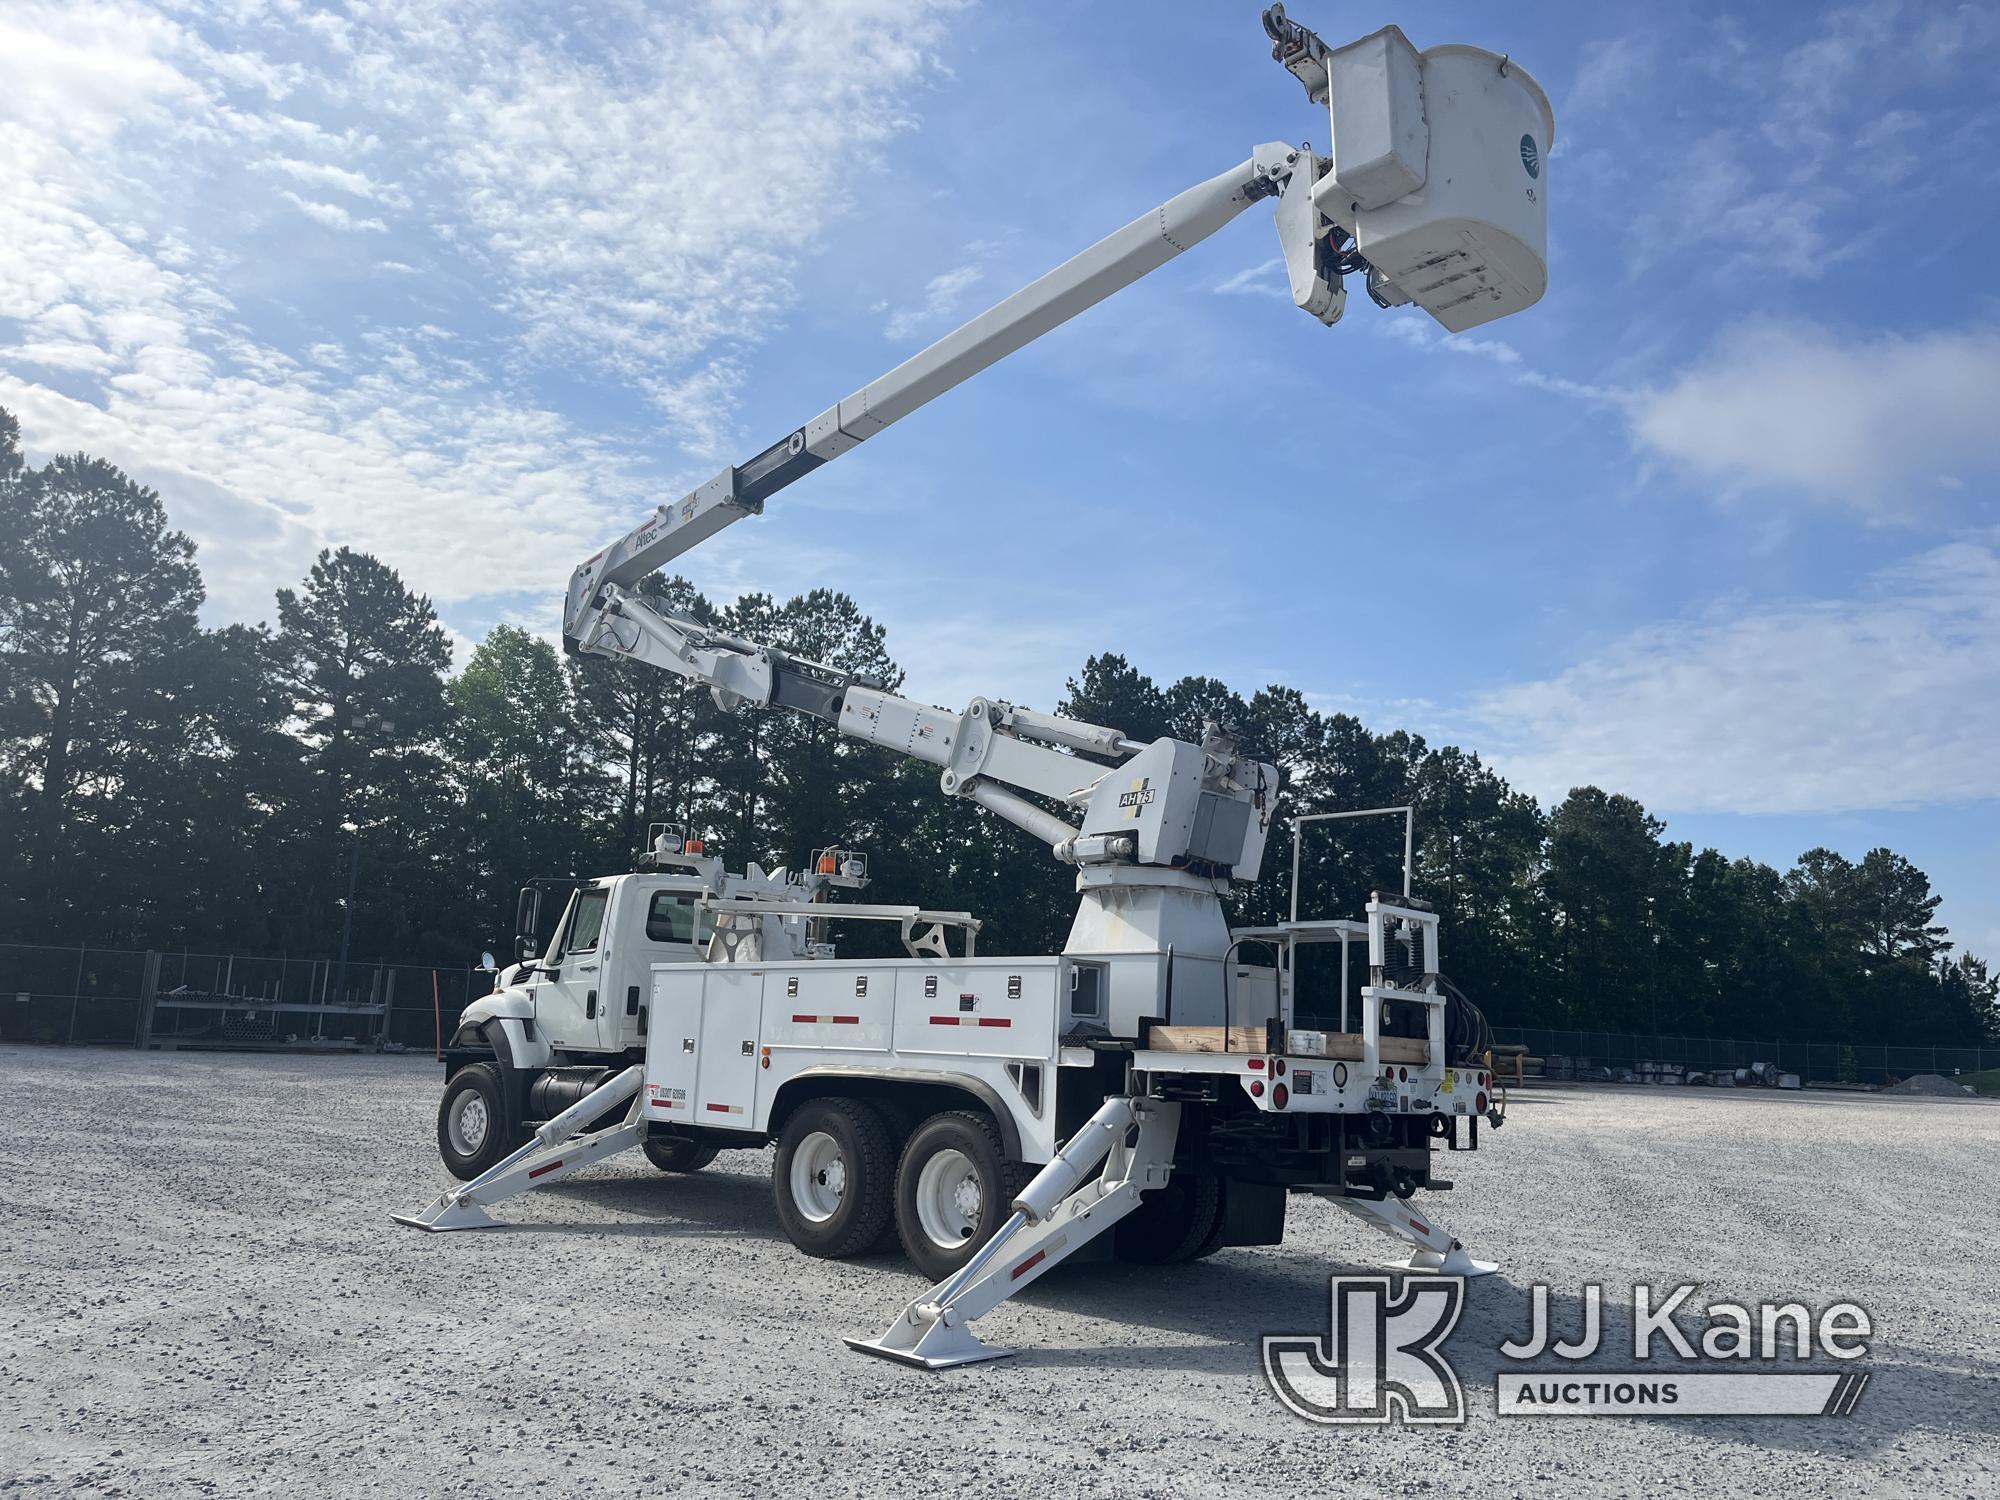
(1169, 804)
(1435, 192)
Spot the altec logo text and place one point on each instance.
(1382, 1358)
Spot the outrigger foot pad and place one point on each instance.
(936, 1346)
(444, 1213)
(1434, 1253)
(1454, 1262)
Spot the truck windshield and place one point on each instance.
(588, 922)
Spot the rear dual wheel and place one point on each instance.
(839, 1184)
(955, 1187)
(1181, 1221)
(834, 1177)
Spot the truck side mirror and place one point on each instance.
(524, 946)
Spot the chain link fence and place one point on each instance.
(1593, 1054)
(135, 998)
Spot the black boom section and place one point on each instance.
(773, 469)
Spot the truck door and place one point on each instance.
(732, 1006)
(570, 1005)
(648, 925)
(673, 1043)
(701, 1048)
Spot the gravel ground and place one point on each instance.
(200, 1294)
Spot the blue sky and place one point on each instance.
(472, 287)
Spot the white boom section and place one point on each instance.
(1190, 804)
(1113, 263)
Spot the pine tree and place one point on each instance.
(95, 592)
(363, 660)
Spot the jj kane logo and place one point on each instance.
(1382, 1358)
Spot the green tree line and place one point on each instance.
(273, 788)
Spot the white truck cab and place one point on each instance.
(575, 1008)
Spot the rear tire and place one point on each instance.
(834, 1177)
(955, 1187)
(1172, 1223)
(672, 1154)
(1213, 1243)
(472, 1125)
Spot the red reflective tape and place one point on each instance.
(663, 1104)
(720, 1109)
(1420, 1226)
(994, 1021)
(1027, 1265)
(539, 1171)
(847, 1020)
(946, 1021)
(805, 1020)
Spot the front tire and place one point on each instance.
(833, 1177)
(472, 1125)
(672, 1154)
(955, 1187)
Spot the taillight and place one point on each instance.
(1479, 1104)
(1278, 1066)
(1256, 1064)
(1280, 1096)
(1256, 1088)
(1402, 1075)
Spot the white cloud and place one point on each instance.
(1875, 423)
(944, 295)
(332, 215)
(1782, 161)
(616, 194)
(1420, 331)
(1890, 700)
(1267, 280)
(701, 408)
(324, 174)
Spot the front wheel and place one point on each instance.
(472, 1129)
(955, 1187)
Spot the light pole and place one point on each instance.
(347, 907)
(353, 829)
(1653, 969)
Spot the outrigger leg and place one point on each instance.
(554, 1151)
(1436, 1252)
(1055, 1215)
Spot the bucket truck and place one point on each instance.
(1159, 1078)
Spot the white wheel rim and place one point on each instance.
(949, 1199)
(819, 1177)
(468, 1123)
